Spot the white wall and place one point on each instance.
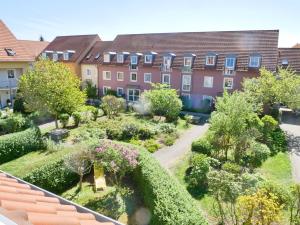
(94, 73)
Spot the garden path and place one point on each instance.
(169, 155)
(294, 146)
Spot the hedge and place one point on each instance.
(15, 145)
(168, 201)
(54, 177)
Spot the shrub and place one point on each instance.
(113, 129)
(188, 120)
(76, 117)
(17, 144)
(270, 124)
(277, 141)
(13, 123)
(199, 168)
(169, 139)
(64, 119)
(53, 176)
(112, 105)
(129, 130)
(202, 146)
(151, 145)
(168, 200)
(257, 153)
(145, 132)
(88, 133)
(167, 128)
(231, 167)
(91, 90)
(19, 105)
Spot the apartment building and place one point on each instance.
(16, 56)
(290, 57)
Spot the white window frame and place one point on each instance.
(66, 56)
(119, 72)
(120, 60)
(88, 72)
(207, 97)
(120, 88)
(255, 59)
(211, 78)
(104, 73)
(134, 96)
(224, 81)
(207, 60)
(227, 59)
(106, 58)
(14, 73)
(105, 88)
(131, 67)
(182, 83)
(146, 57)
(186, 59)
(147, 74)
(132, 61)
(54, 57)
(167, 61)
(44, 55)
(131, 76)
(163, 78)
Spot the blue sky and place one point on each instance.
(31, 18)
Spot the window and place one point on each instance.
(88, 72)
(97, 56)
(208, 82)
(66, 55)
(120, 58)
(11, 74)
(285, 62)
(148, 58)
(10, 52)
(167, 63)
(228, 71)
(133, 60)
(207, 98)
(106, 75)
(120, 76)
(133, 95)
(44, 55)
(187, 61)
(106, 58)
(120, 91)
(186, 82)
(105, 89)
(147, 77)
(166, 79)
(228, 83)
(254, 61)
(55, 57)
(230, 63)
(133, 77)
(210, 60)
(133, 67)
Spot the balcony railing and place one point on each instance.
(7, 84)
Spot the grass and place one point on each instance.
(27, 163)
(278, 169)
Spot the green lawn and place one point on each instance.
(25, 164)
(278, 169)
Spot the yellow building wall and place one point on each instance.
(74, 67)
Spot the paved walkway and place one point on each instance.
(168, 156)
(294, 146)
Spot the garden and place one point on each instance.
(104, 162)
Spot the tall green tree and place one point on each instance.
(51, 87)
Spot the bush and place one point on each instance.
(88, 133)
(90, 90)
(167, 128)
(112, 128)
(277, 141)
(168, 200)
(19, 105)
(14, 123)
(257, 154)
(53, 176)
(17, 144)
(64, 119)
(199, 168)
(231, 167)
(270, 124)
(202, 146)
(77, 118)
(169, 139)
(112, 105)
(151, 145)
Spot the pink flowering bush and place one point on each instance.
(116, 159)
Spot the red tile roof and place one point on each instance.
(8, 40)
(81, 44)
(98, 48)
(23, 204)
(240, 43)
(34, 48)
(293, 57)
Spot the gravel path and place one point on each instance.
(168, 156)
(294, 146)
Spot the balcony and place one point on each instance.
(186, 69)
(8, 84)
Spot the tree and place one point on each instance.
(260, 208)
(79, 162)
(164, 101)
(51, 87)
(112, 105)
(91, 90)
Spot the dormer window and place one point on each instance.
(254, 61)
(210, 60)
(167, 61)
(106, 58)
(44, 55)
(134, 60)
(55, 57)
(97, 56)
(10, 52)
(284, 62)
(66, 55)
(187, 61)
(120, 58)
(230, 62)
(148, 59)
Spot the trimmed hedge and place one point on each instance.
(168, 200)
(15, 145)
(54, 177)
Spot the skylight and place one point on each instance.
(10, 52)
(97, 56)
